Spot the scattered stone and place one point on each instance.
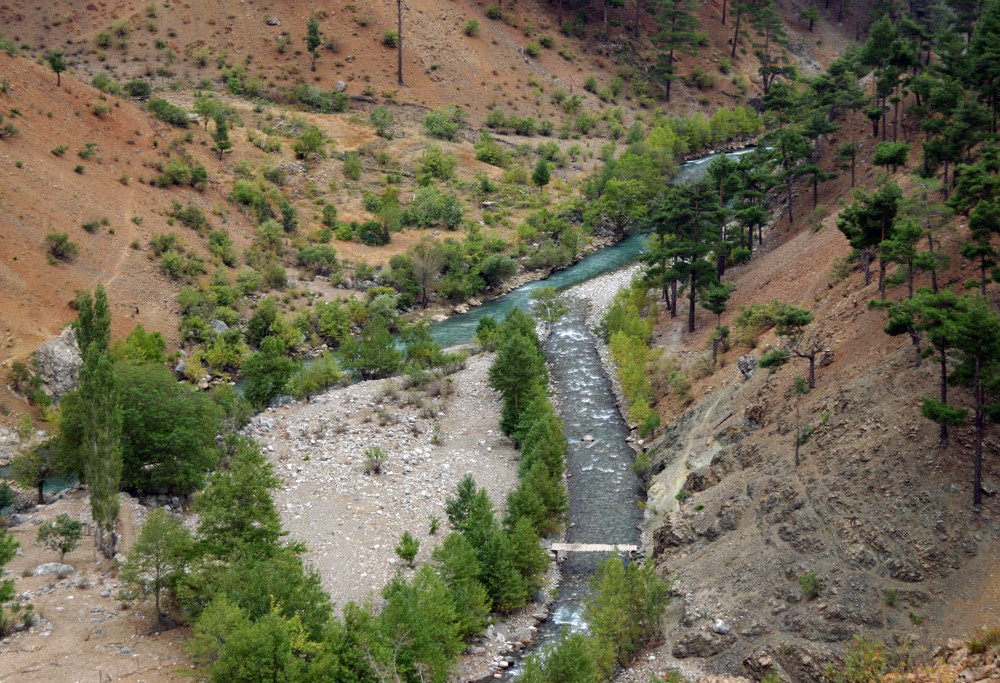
(721, 627)
(341, 86)
(273, 21)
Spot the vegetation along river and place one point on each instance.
(603, 491)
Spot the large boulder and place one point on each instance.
(59, 362)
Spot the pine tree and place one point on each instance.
(678, 34)
(221, 136)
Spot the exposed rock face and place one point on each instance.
(746, 364)
(59, 363)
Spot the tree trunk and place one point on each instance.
(930, 250)
(866, 265)
(635, 24)
(724, 7)
(760, 235)
(943, 358)
(791, 217)
(607, 29)
(673, 298)
(853, 164)
(982, 275)
(812, 370)
(977, 477)
(915, 339)
(881, 277)
(399, 41)
(798, 431)
(691, 301)
(41, 491)
(736, 33)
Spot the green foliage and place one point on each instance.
(314, 377)
(865, 662)
(435, 164)
(61, 534)
(431, 207)
(407, 548)
(352, 166)
(8, 549)
(319, 259)
(571, 659)
(488, 150)
(775, 358)
(139, 88)
(60, 247)
(157, 560)
(390, 38)
(444, 123)
(984, 641)
(375, 458)
(471, 28)
(168, 113)
(809, 585)
(624, 610)
(311, 144)
(374, 355)
(383, 121)
(266, 373)
(168, 431)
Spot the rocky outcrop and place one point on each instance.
(59, 362)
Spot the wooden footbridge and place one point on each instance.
(561, 549)
(592, 548)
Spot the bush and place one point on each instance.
(169, 113)
(809, 585)
(314, 377)
(60, 247)
(444, 123)
(471, 28)
(390, 38)
(375, 458)
(488, 150)
(493, 11)
(408, 548)
(436, 164)
(383, 121)
(547, 42)
(774, 358)
(319, 260)
(532, 49)
(61, 534)
(352, 166)
(139, 89)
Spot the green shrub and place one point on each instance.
(471, 28)
(60, 246)
(493, 11)
(390, 38)
(774, 358)
(408, 548)
(352, 166)
(444, 123)
(436, 164)
(547, 42)
(139, 89)
(985, 641)
(314, 377)
(532, 49)
(169, 113)
(383, 121)
(319, 260)
(375, 458)
(809, 585)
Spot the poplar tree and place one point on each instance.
(101, 427)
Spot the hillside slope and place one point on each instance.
(877, 512)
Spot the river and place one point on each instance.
(604, 493)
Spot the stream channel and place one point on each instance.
(604, 493)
